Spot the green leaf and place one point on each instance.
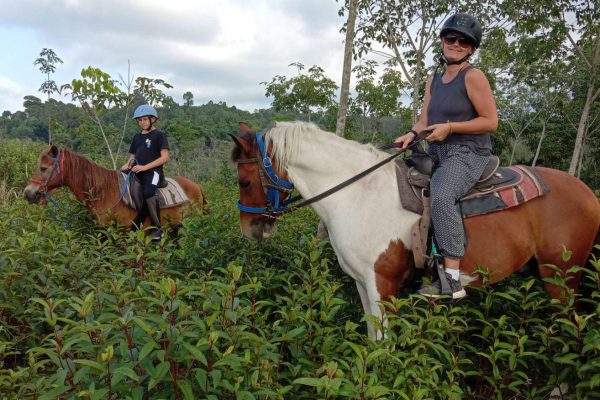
(126, 371)
(314, 382)
(92, 364)
(186, 389)
(148, 347)
(196, 353)
(54, 393)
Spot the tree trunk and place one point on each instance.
(591, 96)
(345, 89)
(539, 146)
(512, 153)
(581, 129)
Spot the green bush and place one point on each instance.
(93, 312)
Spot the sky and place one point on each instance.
(219, 50)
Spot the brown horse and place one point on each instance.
(371, 232)
(98, 188)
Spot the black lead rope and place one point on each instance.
(417, 139)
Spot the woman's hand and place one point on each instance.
(405, 140)
(439, 132)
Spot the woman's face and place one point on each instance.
(456, 46)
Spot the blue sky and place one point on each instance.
(219, 50)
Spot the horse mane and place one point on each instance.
(286, 138)
(85, 173)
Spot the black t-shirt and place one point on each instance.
(146, 147)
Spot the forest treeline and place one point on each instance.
(542, 60)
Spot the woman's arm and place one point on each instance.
(481, 96)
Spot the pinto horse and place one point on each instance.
(370, 231)
(98, 188)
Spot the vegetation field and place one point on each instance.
(100, 313)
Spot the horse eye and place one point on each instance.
(43, 168)
(244, 184)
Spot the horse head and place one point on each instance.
(47, 176)
(262, 193)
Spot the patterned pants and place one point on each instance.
(458, 170)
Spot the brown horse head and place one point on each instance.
(253, 183)
(47, 176)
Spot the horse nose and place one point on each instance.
(30, 194)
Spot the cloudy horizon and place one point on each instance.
(219, 51)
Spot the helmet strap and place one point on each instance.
(443, 60)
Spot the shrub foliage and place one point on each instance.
(95, 312)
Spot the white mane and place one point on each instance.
(287, 137)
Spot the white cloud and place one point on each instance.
(219, 50)
(11, 94)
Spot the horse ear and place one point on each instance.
(53, 151)
(242, 143)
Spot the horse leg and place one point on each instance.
(370, 306)
(553, 256)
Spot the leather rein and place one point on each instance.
(273, 185)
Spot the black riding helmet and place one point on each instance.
(465, 24)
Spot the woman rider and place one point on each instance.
(460, 110)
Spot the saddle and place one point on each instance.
(169, 193)
(498, 188)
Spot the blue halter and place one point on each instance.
(272, 185)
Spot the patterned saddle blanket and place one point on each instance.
(506, 187)
(169, 192)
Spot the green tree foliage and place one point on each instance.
(97, 92)
(47, 64)
(545, 32)
(303, 93)
(188, 99)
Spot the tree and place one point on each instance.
(377, 98)
(345, 89)
(47, 64)
(303, 93)
(410, 30)
(563, 30)
(97, 92)
(188, 99)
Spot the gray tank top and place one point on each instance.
(450, 102)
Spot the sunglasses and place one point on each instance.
(463, 41)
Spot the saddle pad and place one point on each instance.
(524, 186)
(529, 187)
(172, 195)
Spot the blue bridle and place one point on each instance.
(275, 207)
(272, 184)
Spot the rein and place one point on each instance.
(275, 209)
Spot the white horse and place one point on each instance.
(370, 231)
